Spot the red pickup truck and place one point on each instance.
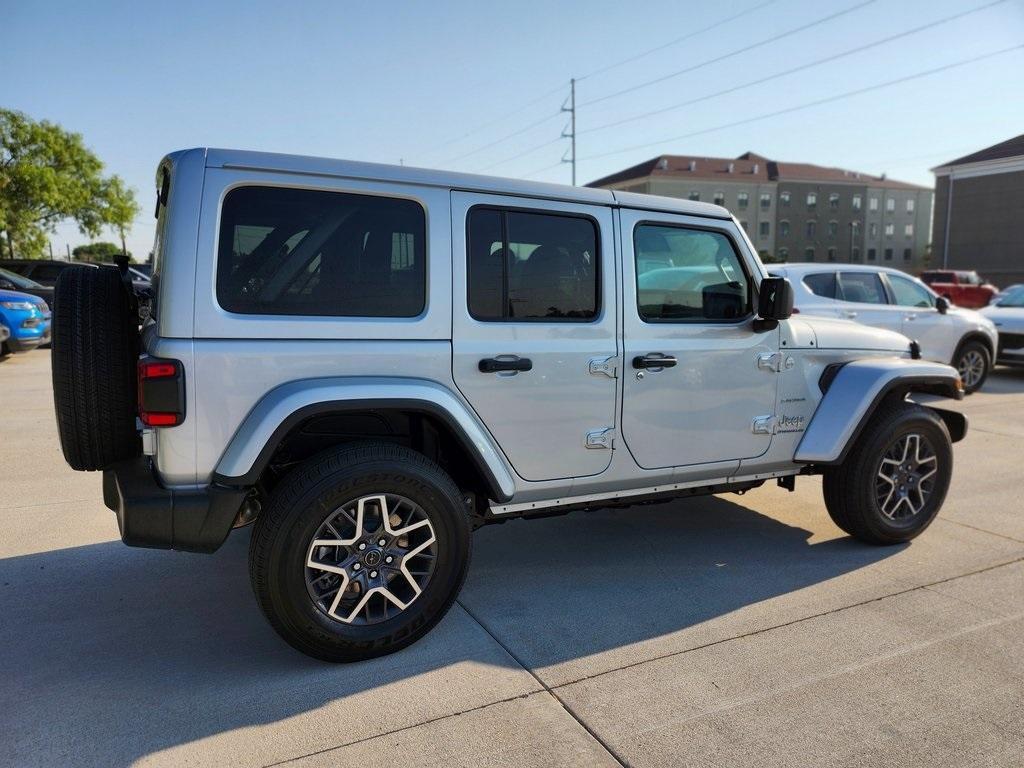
(963, 288)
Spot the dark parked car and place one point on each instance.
(12, 281)
(44, 271)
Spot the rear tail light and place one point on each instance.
(161, 393)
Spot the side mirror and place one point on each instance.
(774, 303)
(942, 305)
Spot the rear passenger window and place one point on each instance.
(822, 284)
(308, 252)
(688, 276)
(532, 266)
(862, 287)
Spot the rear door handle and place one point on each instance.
(654, 360)
(499, 364)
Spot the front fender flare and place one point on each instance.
(854, 393)
(284, 407)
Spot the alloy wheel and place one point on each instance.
(370, 559)
(971, 368)
(906, 476)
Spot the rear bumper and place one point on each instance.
(149, 515)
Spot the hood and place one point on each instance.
(832, 333)
(6, 295)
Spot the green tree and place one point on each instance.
(101, 251)
(121, 208)
(48, 175)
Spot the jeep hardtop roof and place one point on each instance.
(403, 174)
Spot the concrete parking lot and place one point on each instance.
(720, 631)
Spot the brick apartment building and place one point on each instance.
(798, 211)
(979, 207)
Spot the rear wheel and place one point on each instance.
(895, 479)
(360, 552)
(973, 362)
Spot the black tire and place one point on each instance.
(308, 496)
(972, 351)
(94, 356)
(850, 489)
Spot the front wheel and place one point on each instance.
(893, 483)
(360, 551)
(973, 362)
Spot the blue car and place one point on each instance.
(26, 319)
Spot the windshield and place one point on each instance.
(18, 280)
(1013, 298)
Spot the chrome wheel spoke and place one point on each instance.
(901, 480)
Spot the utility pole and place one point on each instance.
(571, 135)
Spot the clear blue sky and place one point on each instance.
(388, 81)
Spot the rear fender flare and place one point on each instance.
(286, 406)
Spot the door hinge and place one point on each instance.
(601, 438)
(605, 365)
(764, 425)
(776, 362)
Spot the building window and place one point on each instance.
(855, 253)
(812, 200)
(784, 228)
(871, 254)
(695, 195)
(766, 200)
(907, 254)
(719, 198)
(808, 254)
(531, 266)
(872, 203)
(888, 254)
(784, 198)
(744, 225)
(872, 230)
(833, 228)
(890, 229)
(910, 205)
(832, 254)
(764, 229)
(856, 202)
(890, 204)
(742, 200)
(908, 230)
(812, 228)
(783, 254)
(833, 201)
(854, 229)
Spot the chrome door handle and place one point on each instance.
(910, 317)
(654, 360)
(849, 314)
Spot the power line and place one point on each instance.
(818, 62)
(818, 102)
(559, 164)
(495, 121)
(512, 135)
(524, 153)
(676, 41)
(730, 54)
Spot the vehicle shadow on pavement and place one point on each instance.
(111, 654)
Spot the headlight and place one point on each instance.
(25, 306)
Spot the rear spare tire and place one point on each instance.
(95, 354)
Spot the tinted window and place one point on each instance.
(822, 284)
(307, 252)
(47, 273)
(862, 287)
(907, 293)
(532, 266)
(688, 275)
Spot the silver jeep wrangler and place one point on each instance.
(367, 362)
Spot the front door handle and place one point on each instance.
(910, 317)
(654, 360)
(849, 314)
(499, 364)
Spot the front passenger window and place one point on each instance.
(907, 293)
(688, 276)
(861, 287)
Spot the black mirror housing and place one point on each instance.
(775, 299)
(942, 304)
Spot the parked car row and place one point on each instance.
(890, 299)
(46, 271)
(24, 322)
